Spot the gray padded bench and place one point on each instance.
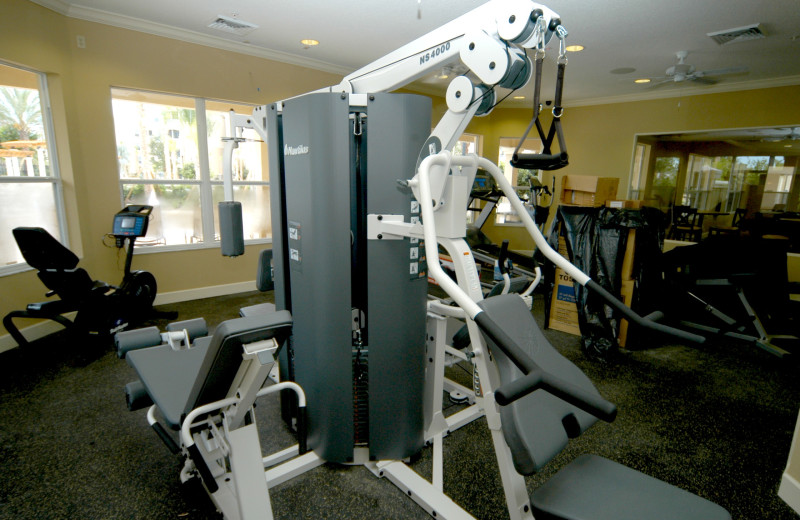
(538, 426)
(179, 381)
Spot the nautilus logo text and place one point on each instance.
(295, 150)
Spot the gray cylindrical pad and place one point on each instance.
(136, 396)
(195, 327)
(136, 339)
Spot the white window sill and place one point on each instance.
(146, 250)
(21, 267)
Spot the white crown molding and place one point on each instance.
(786, 81)
(137, 24)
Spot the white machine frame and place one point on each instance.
(456, 174)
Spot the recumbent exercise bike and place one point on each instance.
(101, 309)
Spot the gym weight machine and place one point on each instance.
(349, 260)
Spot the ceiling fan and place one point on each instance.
(774, 135)
(682, 71)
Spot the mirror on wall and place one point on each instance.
(719, 170)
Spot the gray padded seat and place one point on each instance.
(595, 488)
(179, 381)
(538, 426)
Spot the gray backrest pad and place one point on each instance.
(533, 426)
(224, 354)
(264, 281)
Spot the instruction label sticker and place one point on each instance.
(417, 266)
(295, 245)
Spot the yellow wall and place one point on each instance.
(80, 82)
(600, 138)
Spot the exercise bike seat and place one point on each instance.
(538, 426)
(178, 381)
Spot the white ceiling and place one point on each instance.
(639, 34)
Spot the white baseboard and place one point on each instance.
(789, 491)
(211, 291)
(46, 327)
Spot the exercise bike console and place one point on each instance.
(131, 222)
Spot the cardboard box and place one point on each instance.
(626, 272)
(625, 204)
(582, 190)
(563, 308)
(627, 298)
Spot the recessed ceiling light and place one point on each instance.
(641, 80)
(309, 42)
(519, 97)
(574, 48)
(787, 146)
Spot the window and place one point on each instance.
(170, 155)
(30, 188)
(777, 185)
(517, 177)
(468, 143)
(717, 171)
(641, 157)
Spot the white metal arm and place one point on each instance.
(487, 40)
(422, 184)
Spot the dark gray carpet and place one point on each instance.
(716, 420)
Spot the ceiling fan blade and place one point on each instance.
(702, 80)
(720, 72)
(661, 83)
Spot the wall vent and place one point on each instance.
(740, 34)
(232, 25)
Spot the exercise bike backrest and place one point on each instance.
(57, 265)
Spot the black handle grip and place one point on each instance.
(166, 438)
(302, 430)
(574, 395)
(638, 320)
(655, 316)
(502, 257)
(535, 377)
(540, 161)
(205, 473)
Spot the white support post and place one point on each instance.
(436, 425)
(257, 362)
(250, 488)
(289, 470)
(425, 494)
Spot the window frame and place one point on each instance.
(514, 178)
(53, 179)
(203, 179)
